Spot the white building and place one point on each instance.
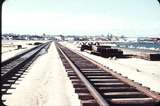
(132, 39)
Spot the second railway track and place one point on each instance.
(99, 86)
(13, 68)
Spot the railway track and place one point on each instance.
(13, 68)
(97, 85)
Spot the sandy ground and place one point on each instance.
(45, 84)
(143, 71)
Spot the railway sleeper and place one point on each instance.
(104, 80)
(73, 77)
(95, 71)
(14, 78)
(119, 84)
(85, 96)
(10, 81)
(91, 102)
(116, 89)
(96, 74)
(65, 63)
(69, 69)
(20, 72)
(113, 95)
(3, 90)
(85, 66)
(90, 69)
(71, 73)
(99, 77)
(79, 61)
(76, 81)
(132, 102)
(81, 90)
(78, 85)
(67, 66)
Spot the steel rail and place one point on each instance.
(93, 91)
(139, 87)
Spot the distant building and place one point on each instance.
(145, 39)
(69, 38)
(35, 37)
(99, 39)
(156, 40)
(59, 37)
(131, 39)
(9, 38)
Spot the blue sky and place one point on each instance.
(82, 17)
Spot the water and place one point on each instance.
(140, 45)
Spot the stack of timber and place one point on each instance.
(86, 47)
(149, 56)
(106, 51)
